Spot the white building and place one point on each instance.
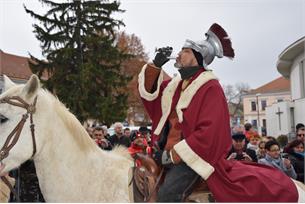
(257, 100)
(282, 117)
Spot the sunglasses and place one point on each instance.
(274, 150)
(97, 134)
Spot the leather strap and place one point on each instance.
(14, 136)
(4, 179)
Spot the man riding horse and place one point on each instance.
(191, 131)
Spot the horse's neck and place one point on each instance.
(70, 172)
(61, 163)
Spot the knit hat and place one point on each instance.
(198, 57)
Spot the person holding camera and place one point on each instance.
(100, 140)
(295, 151)
(239, 151)
(275, 159)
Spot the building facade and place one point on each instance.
(258, 100)
(291, 66)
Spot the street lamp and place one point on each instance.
(257, 107)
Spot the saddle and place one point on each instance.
(149, 176)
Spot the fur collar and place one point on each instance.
(185, 97)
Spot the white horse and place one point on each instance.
(70, 166)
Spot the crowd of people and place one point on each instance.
(248, 145)
(135, 140)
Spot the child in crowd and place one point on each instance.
(254, 138)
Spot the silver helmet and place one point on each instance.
(217, 44)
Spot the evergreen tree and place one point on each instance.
(83, 60)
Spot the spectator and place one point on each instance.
(261, 151)
(139, 144)
(239, 150)
(127, 132)
(145, 132)
(118, 138)
(274, 159)
(254, 139)
(298, 126)
(105, 130)
(301, 133)
(268, 138)
(248, 128)
(99, 138)
(295, 150)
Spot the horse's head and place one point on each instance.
(17, 105)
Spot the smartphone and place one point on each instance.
(284, 155)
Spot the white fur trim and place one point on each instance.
(301, 190)
(141, 80)
(200, 166)
(187, 95)
(166, 102)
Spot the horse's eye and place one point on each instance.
(3, 119)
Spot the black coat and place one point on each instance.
(123, 140)
(298, 163)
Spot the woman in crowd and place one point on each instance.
(261, 151)
(295, 150)
(273, 158)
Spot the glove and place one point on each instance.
(162, 157)
(166, 157)
(162, 56)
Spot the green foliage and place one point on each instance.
(83, 61)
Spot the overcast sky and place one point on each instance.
(260, 30)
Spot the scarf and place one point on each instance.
(188, 72)
(277, 163)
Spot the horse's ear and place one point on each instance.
(31, 87)
(8, 83)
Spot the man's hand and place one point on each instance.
(287, 163)
(247, 157)
(175, 157)
(162, 56)
(232, 156)
(166, 157)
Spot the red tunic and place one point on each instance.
(204, 119)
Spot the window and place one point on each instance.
(254, 123)
(264, 123)
(0, 91)
(264, 104)
(279, 100)
(253, 106)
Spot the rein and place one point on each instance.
(14, 136)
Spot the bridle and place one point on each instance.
(14, 136)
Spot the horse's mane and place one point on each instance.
(71, 122)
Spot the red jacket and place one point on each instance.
(204, 119)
